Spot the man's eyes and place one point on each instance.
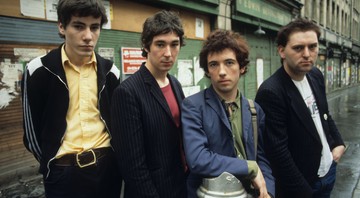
(213, 65)
(82, 27)
(300, 48)
(79, 27)
(94, 28)
(312, 47)
(229, 63)
(161, 45)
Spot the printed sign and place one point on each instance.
(131, 59)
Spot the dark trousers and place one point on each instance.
(96, 181)
(323, 187)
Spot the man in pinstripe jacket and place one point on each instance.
(145, 114)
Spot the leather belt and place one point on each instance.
(83, 159)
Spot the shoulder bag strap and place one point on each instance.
(254, 123)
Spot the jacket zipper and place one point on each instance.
(100, 92)
(62, 138)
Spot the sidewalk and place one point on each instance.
(345, 109)
(31, 187)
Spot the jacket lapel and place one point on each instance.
(212, 100)
(155, 90)
(53, 63)
(102, 70)
(298, 105)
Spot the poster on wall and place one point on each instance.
(11, 73)
(199, 28)
(27, 54)
(188, 91)
(51, 12)
(107, 53)
(33, 8)
(185, 72)
(108, 10)
(131, 59)
(10, 80)
(330, 78)
(259, 71)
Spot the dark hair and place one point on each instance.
(80, 8)
(218, 40)
(297, 25)
(160, 23)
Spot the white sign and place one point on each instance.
(188, 91)
(259, 71)
(199, 28)
(33, 8)
(51, 11)
(107, 6)
(107, 53)
(185, 74)
(27, 54)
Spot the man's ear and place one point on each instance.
(281, 50)
(145, 49)
(61, 28)
(242, 70)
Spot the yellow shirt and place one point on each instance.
(85, 129)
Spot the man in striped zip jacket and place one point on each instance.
(66, 106)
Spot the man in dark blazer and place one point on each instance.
(146, 125)
(301, 139)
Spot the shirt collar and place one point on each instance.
(65, 59)
(236, 103)
(237, 99)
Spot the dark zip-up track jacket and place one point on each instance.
(45, 95)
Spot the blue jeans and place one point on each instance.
(322, 188)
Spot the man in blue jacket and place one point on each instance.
(66, 106)
(217, 127)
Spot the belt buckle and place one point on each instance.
(87, 164)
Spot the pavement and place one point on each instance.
(344, 107)
(31, 187)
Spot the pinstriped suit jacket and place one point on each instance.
(146, 139)
(291, 139)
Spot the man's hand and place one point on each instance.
(337, 152)
(259, 183)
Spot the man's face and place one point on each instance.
(163, 52)
(224, 72)
(81, 36)
(300, 53)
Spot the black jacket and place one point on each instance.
(45, 97)
(146, 139)
(291, 139)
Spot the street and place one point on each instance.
(344, 107)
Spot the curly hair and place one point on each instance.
(218, 40)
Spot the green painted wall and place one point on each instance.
(117, 39)
(261, 47)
